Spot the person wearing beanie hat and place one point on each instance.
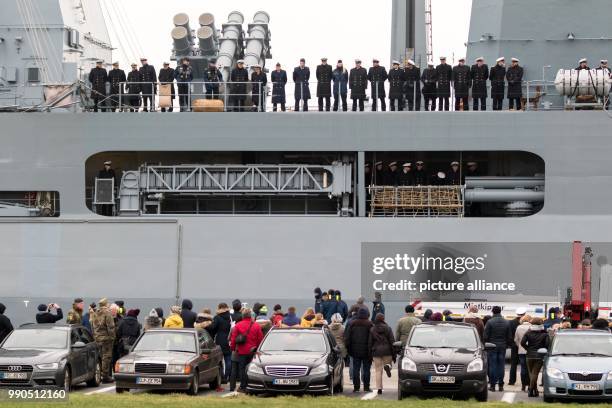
(75, 315)
(204, 319)
(236, 310)
(220, 331)
(121, 309)
(330, 306)
(341, 307)
(5, 323)
(87, 316)
(103, 329)
(44, 314)
(357, 340)
(381, 346)
(187, 314)
(336, 328)
(535, 338)
(128, 332)
(261, 317)
(174, 321)
(152, 321)
(437, 317)
(377, 305)
(277, 316)
(405, 324)
(245, 338)
(497, 331)
(318, 300)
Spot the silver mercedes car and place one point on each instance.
(578, 365)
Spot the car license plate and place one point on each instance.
(441, 379)
(285, 381)
(586, 387)
(148, 380)
(14, 376)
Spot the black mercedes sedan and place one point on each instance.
(49, 355)
(443, 358)
(296, 361)
(171, 359)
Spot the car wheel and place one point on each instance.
(121, 390)
(548, 399)
(401, 394)
(97, 376)
(483, 396)
(216, 383)
(195, 384)
(67, 379)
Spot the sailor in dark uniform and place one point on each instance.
(405, 177)
(166, 77)
(133, 89)
(379, 174)
(213, 78)
(514, 75)
(239, 78)
(278, 77)
(117, 80)
(148, 78)
(367, 171)
(461, 83)
(377, 76)
(583, 64)
(412, 88)
(324, 78)
(106, 173)
(453, 177)
(392, 175)
(397, 77)
(420, 176)
(497, 76)
(259, 80)
(301, 76)
(358, 84)
(479, 75)
(603, 66)
(444, 73)
(98, 77)
(429, 79)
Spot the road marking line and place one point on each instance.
(229, 394)
(101, 390)
(509, 397)
(369, 396)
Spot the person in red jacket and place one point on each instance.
(251, 334)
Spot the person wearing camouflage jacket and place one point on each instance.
(103, 326)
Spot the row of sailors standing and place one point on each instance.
(419, 176)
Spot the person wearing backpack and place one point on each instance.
(128, 331)
(245, 339)
(381, 347)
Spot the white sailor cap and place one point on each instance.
(116, 63)
(396, 62)
(455, 163)
(378, 163)
(582, 60)
(604, 61)
(411, 62)
(479, 59)
(143, 59)
(394, 163)
(462, 59)
(324, 59)
(500, 59)
(514, 59)
(472, 163)
(442, 58)
(256, 66)
(407, 165)
(99, 62)
(357, 61)
(240, 61)
(420, 162)
(108, 163)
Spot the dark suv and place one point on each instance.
(296, 361)
(443, 358)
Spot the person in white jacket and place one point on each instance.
(522, 353)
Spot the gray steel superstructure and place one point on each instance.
(153, 260)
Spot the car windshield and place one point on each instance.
(294, 341)
(443, 337)
(166, 341)
(576, 344)
(37, 339)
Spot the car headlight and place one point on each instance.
(255, 369)
(609, 376)
(554, 373)
(124, 367)
(48, 366)
(476, 365)
(321, 369)
(408, 364)
(179, 368)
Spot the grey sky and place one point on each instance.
(344, 29)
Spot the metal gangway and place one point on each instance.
(149, 185)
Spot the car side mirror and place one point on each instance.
(78, 345)
(542, 352)
(490, 346)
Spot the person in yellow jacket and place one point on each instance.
(174, 321)
(308, 318)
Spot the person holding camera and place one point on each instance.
(245, 338)
(50, 313)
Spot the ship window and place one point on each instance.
(33, 74)
(29, 204)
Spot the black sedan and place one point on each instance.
(48, 355)
(171, 359)
(443, 358)
(296, 361)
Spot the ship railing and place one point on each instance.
(537, 95)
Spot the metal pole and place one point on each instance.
(120, 97)
(179, 261)
(361, 185)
